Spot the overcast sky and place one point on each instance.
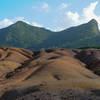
(52, 14)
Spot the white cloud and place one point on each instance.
(42, 8)
(58, 29)
(6, 22)
(46, 7)
(20, 19)
(63, 6)
(36, 24)
(34, 7)
(88, 12)
(74, 18)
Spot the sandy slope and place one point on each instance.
(21, 69)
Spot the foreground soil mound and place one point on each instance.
(91, 57)
(27, 74)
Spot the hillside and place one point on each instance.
(23, 35)
(52, 73)
(80, 36)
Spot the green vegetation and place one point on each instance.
(89, 48)
(23, 35)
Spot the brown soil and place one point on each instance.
(25, 70)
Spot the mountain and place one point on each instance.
(79, 36)
(23, 35)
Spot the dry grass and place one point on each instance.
(8, 65)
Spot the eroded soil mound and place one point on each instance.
(24, 72)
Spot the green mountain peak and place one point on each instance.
(93, 24)
(20, 22)
(93, 21)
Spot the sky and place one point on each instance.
(55, 15)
